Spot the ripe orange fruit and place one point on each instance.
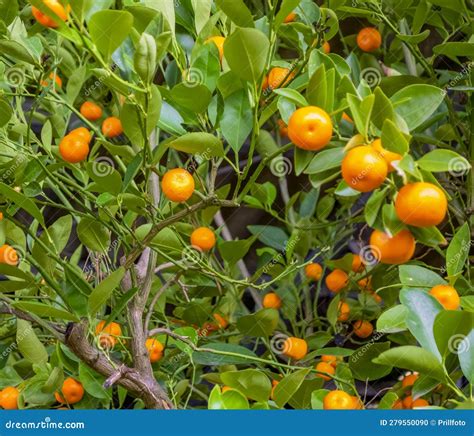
(325, 367)
(365, 283)
(112, 127)
(363, 169)
(409, 380)
(326, 47)
(389, 156)
(274, 385)
(392, 250)
(8, 255)
(44, 19)
(369, 39)
(313, 271)
(337, 280)
(447, 296)
(9, 398)
(108, 334)
(178, 185)
(283, 129)
(91, 111)
(290, 17)
(357, 264)
(155, 349)
(203, 238)
(332, 360)
(310, 128)
(82, 133)
(221, 321)
(279, 77)
(358, 404)
(421, 204)
(295, 348)
(397, 405)
(71, 392)
(363, 329)
(73, 148)
(271, 301)
(1, 216)
(219, 42)
(343, 311)
(407, 402)
(55, 77)
(338, 400)
(420, 402)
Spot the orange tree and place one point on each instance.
(132, 131)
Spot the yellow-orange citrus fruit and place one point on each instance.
(363, 169)
(389, 156)
(332, 360)
(313, 271)
(203, 238)
(279, 77)
(325, 367)
(420, 402)
(54, 6)
(290, 18)
(9, 398)
(338, 400)
(219, 43)
(357, 264)
(155, 349)
(108, 334)
(407, 402)
(91, 111)
(347, 118)
(409, 380)
(8, 255)
(72, 392)
(272, 301)
(274, 385)
(55, 77)
(363, 329)
(73, 149)
(1, 216)
(343, 311)
(295, 348)
(447, 296)
(283, 129)
(358, 404)
(178, 185)
(369, 39)
(326, 47)
(397, 405)
(221, 321)
(392, 250)
(365, 283)
(112, 127)
(421, 204)
(337, 280)
(310, 128)
(82, 133)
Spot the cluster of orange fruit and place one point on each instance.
(408, 402)
(74, 147)
(57, 8)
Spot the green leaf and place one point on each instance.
(274, 237)
(202, 10)
(6, 112)
(454, 49)
(195, 98)
(28, 343)
(414, 359)
(325, 160)
(105, 176)
(288, 386)
(252, 383)
(93, 382)
(317, 398)
(450, 328)
(383, 109)
(16, 51)
(229, 400)
(419, 277)
(233, 251)
(387, 401)
(292, 95)
(416, 103)
(236, 123)
(104, 290)
(361, 364)
(458, 251)
(444, 160)
(22, 202)
(93, 235)
(237, 11)
(44, 310)
(246, 53)
(393, 320)
(145, 58)
(392, 139)
(373, 205)
(466, 356)
(422, 311)
(259, 324)
(317, 91)
(287, 6)
(235, 354)
(203, 144)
